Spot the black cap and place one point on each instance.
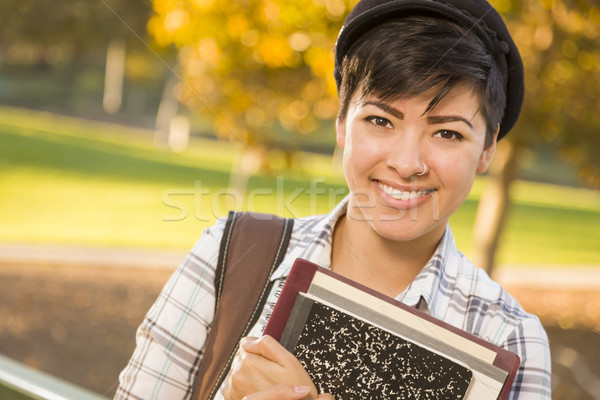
(477, 16)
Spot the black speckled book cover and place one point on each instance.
(354, 360)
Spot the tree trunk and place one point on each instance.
(113, 76)
(246, 164)
(493, 205)
(167, 110)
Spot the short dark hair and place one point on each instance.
(407, 56)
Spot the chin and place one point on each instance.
(397, 231)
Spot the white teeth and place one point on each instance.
(401, 194)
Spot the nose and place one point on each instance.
(406, 156)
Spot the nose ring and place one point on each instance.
(425, 170)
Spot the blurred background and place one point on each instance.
(126, 128)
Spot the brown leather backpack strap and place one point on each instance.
(247, 258)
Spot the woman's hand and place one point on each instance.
(263, 368)
(285, 392)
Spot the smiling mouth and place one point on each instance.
(403, 194)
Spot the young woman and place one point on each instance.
(426, 88)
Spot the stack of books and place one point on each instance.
(356, 343)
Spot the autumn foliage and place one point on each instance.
(255, 65)
(560, 44)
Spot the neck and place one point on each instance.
(387, 266)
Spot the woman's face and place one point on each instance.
(387, 144)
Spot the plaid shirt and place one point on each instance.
(171, 338)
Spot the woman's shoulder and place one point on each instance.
(305, 229)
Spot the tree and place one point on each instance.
(255, 66)
(74, 29)
(559, 41)
(72, 25)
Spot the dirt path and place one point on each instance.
(75, 323)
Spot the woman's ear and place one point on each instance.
(340, 132)
(487, 154)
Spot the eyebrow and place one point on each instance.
(431, 119)
(441, 119)
(386, 107)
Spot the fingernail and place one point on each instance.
(246, 340)
(301, 389)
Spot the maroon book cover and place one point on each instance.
(300, 279)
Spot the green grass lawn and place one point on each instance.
(70, 181)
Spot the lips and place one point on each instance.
(399, 194)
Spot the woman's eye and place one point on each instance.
(379, 121)
(445, 134)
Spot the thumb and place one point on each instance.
(325, 396)
(266, 347)
(281, 392)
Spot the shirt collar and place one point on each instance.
(430, 289)
(311, 240)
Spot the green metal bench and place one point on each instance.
(20, 382)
